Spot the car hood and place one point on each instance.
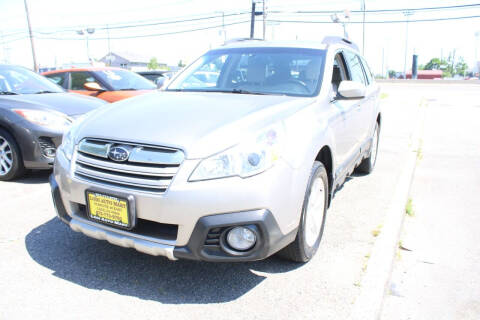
(114, 96)
(200, 124)
(70, 104)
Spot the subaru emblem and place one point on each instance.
(119, 154)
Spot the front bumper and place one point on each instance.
(270, 238)
(269, 202)
(33, 141)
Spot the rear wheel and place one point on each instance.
(11, 163)
(312, 221)
(368, 164)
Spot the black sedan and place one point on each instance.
(34, 113)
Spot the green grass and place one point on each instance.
(409, 208)
(375, 232)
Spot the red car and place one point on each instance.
(109, 84)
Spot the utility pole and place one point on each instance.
(35, 66)
(264, 19)
(363, 26)
(407, 14)
(252, 21)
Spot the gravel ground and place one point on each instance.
(48, 271)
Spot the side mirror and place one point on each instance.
(352, 89)
(93, 86)
(160, 82)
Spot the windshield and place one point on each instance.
(18, 80)
(286, 71)
(125, 80)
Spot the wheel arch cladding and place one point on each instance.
(325, 157)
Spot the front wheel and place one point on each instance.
(312, 221)
(11, 164)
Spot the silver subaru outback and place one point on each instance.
(237, 159)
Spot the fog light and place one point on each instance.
(241, 238)
(49, 152)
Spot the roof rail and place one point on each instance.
(240, 39)
(334, 40)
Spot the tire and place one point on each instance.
(368, 164)
(310, 232)
(11, 162)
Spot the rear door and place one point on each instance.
(369, 115)
(345, 116)
(359, 126)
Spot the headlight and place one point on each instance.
(68, 144)
(49, 119)
(68, 140)
(244, 160)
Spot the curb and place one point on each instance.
(377, 276)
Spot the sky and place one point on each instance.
(55, 24)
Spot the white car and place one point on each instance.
(231, 170)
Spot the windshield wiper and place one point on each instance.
(237, 91)
(241, 91)
(8, 93)
(45, 91)
(129, 89)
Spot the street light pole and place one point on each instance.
(35, 66)
(86, 32)
(407, 14)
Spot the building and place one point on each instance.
(426, 74)
(128, 60)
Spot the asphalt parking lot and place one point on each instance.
(48, 271)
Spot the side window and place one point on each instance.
(58, 78)
(368, 72)
(339, 72)
(78, 79)
(207, 75)
(355, 67)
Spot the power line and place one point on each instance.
(382, 21)
(382, 10)
(125, 25)
(150, 35)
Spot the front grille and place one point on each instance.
(148, 168)
(146, 228)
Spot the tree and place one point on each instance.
(461, 67)
(436, 64)
(181, 64)
(153, 64)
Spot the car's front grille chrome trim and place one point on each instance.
(151, 170)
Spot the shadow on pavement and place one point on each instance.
(35, 177)
(96, 264)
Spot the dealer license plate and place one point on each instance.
(108, 209)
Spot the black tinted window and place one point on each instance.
(355, 67)
(78, 79)
(58, 78)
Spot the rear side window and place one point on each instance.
(59, 78)
(78, 79)
(368, 72)
(355, 67)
